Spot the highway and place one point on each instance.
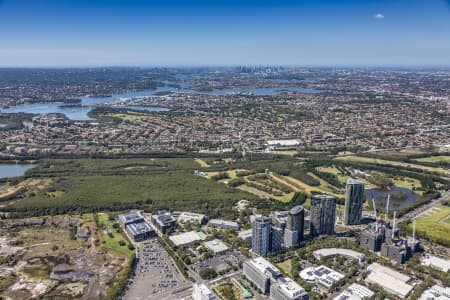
(421, 209)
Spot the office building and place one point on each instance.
(276, 239)
(355, 292)
(245, 235)
(293, 233)
(279, 218)
(261, 273)
(202, 292)
(261, 235)
(321, 276)
(163, 221)
(140, 231)
(131, 217)
(323, 214)
(354, 199)
(287, 289)
(188, 217)
(216, 246)
(223, 224)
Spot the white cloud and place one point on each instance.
(379, 16)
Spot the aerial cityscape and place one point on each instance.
(201, 150)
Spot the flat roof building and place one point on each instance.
(216, 246)
(188, 217)
(287, 289)
(163, 221)
(390, 280)
(321, 276)
(325, 252)
(245, 235)
(261, 273)
(436, 262)
(202, 292)
(133, 216)
(355, 292)
(140, 231)
(222, 224)
(187, 238)
(436, 292)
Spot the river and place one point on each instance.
(13, 170)
(87, 103)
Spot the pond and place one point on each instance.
(400, 198)
(13, 170)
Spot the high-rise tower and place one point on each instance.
(323, 214)
(354, 199)
(261, 231)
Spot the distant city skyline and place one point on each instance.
(82, 33)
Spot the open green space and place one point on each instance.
(392, 163)
(435, 224)
(435, 159)
(110, 238)
(87, 185)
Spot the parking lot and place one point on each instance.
(156, 275)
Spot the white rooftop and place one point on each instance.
(337, 251)
(187, 237)
(292, 142)
(243, 234)
(436, 262)
(216, 246)
(321, 275)
(290, 287)
(262, 265)
(355, 292)
(390, 280)
(436, 292)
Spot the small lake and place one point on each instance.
(13, 170)
(87, 103)
(400, 198)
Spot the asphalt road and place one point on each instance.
(421, 209)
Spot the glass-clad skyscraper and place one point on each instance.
(354, 199)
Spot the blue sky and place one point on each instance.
(218, 32)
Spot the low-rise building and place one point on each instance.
(245, 235)
(287, 289)
(163, 221)
(188, 217)
(261, 273)
(325, 252)
(355, 292)
(202, 292)
(187, 238)
(436, 292)
(436, 262)
(133, 216)
(390, 280)
(322, 276)
(222, 224)
(140, 231)
(216, 246)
